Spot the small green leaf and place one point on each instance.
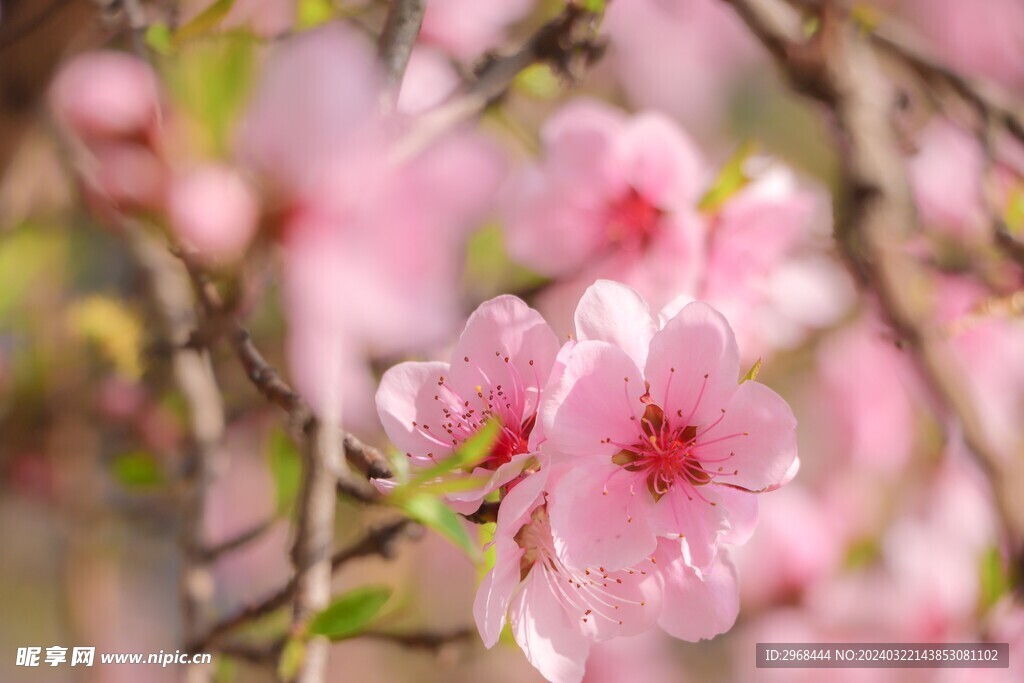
(752, 372)
(312, 13)
(286, 469)
(292, 657)
(996, 580)
(1015, 210)
(351, 613)
(539, 81)
(595, 6)
(204, 21)
(861, 553)
(731, 179)
(431, 512)
(159, 38)
(472, 451)
(137, 470)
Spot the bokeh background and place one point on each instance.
(889, 533)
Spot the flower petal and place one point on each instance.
(696, 607)
(406, 405)
(693, 365)
(520, 502)
(662, 163)
(594, 403)
(599, 517)
(741, 510)
(508, 348)
(495, 593)
(549, 638)
(468, 502)
(764, 448)
(614, 313)
(698, 522)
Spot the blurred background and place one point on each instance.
(889, 533)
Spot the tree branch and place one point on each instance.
(380, 541)
(193, 374)
(875, 212)
(563, 42)
(401, 28)
(368, 460)
(423, 640)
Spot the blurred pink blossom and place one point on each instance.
(869, 395)
(982, 38)
(213, 210)
(315, 135)
(105, 94)
(613, 196)
(674, 450)
(769, 270)
(946, 178)
(499, 365)
(701, 43)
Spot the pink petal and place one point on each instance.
(662, 163)
(214, 210)
(546, 229)
(552, 643)
(698, 522)
(697, 607)
(693, 365)
(764, 448)
(622, 603)
(505, 344)
(579, 141)
(599, 517)
(468, 502)
(495, 593)
(520, 502)
(741, 509)
(596, 399)
(614, 313)
(406, 396)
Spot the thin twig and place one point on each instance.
(379, 542)
(401, 28)
(214, 552)
(563, 42)
(368, 460)
(193, 373)
(423, 640)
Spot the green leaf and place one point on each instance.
(137, 470)
(731, 179)
(286, 468)
(431, 512)
(472, 451)
(211, 81)
(292, 657)
(159, 38)
(1015, 210)
(595, 6)
(351, 613)
(312, 13)
(996, 579)
(861, 553)
(752, 372)
(204, 21)
(539, 81)
(484, 536)
(489, 270)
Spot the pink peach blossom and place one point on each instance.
(946, 178)
(497, 369)
(557, 611)
(769, 270)
(672, 450)
(213, 210)
(105, 94)
(701, 43)
(613, 196)
(315, 136)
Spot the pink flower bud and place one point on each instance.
(105, 94)
(213, 210)
(129, 176)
